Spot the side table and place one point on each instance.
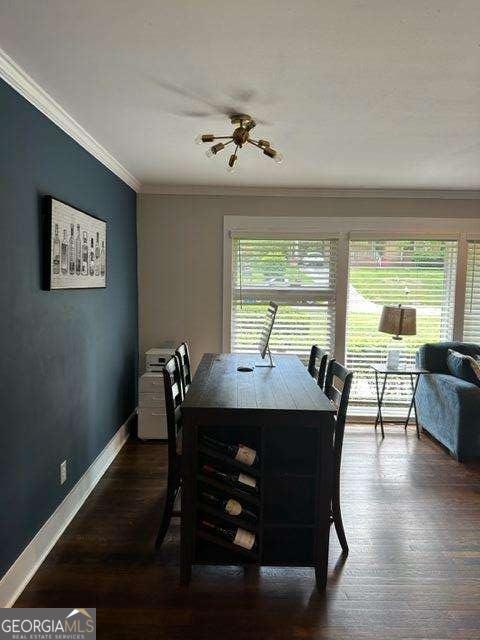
(414, 374)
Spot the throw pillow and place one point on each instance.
(463, 367)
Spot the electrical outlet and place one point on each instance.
(63, 472)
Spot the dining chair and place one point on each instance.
(183, 354)
(317, 364)
(173, 400)
(338, 382)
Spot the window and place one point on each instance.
(471, 326)
(332, 275)
(300, 275)
(418, 273)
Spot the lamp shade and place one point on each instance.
(398, 321)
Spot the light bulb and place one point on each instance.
(231, 169)
(215, 149)
(209, 153)
(231, 162)
(278, 158)
(204, 137)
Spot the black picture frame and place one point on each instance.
(55, 278)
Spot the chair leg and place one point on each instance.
(167, 510)
(338, 522)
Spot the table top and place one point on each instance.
(286, 387)
(400, 371)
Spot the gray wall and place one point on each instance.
(68, 358)
(180, 240)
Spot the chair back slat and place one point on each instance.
(183, 355)
(338, 383)
(317, 364)
(178, 415)
(176, 389)
(173, 400)
(335, 396)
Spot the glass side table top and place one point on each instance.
(402, 370)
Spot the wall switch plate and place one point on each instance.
(63, 471)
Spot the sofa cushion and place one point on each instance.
(433, 356)
(463, 366)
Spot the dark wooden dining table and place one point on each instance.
(286, 417)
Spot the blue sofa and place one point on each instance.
(449, 407)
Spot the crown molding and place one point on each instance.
(19, 79)
(292, 192)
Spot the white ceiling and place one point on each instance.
(356, 93)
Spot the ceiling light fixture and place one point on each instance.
(244, 124)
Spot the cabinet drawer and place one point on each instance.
(151, 399)
(151, 384)
(152, 423)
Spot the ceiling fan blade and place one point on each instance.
(239, 97)
(195, 114)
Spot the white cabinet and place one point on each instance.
(152, 400)
(151, 383)
(152, 419)
(152, 424)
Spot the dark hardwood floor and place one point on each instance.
(412, 517)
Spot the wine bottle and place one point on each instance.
(56, 252)
(97, 256)
(91, 262)
(85, 254)
(240, 479)
(240, 537)
(78, 252)
(230, 506)
(64, 254)
(239, 452)
(102, 259)
(71, 251)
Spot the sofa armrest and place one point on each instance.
(465, 391)
(454, 408)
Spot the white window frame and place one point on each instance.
(343, 229)
(468, 238)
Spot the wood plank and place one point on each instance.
(286, 387)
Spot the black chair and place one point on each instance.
(317, 364)
(183, 355)
(338, 383)
(173, 399)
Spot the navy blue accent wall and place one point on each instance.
(68, 359)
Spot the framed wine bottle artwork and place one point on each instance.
(75, 248)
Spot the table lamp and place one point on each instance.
(397, 321)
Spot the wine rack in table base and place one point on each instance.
(287, 478)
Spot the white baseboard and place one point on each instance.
(23, 569)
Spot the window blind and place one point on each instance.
(471, 326)
(300, 275)
(417, 273)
